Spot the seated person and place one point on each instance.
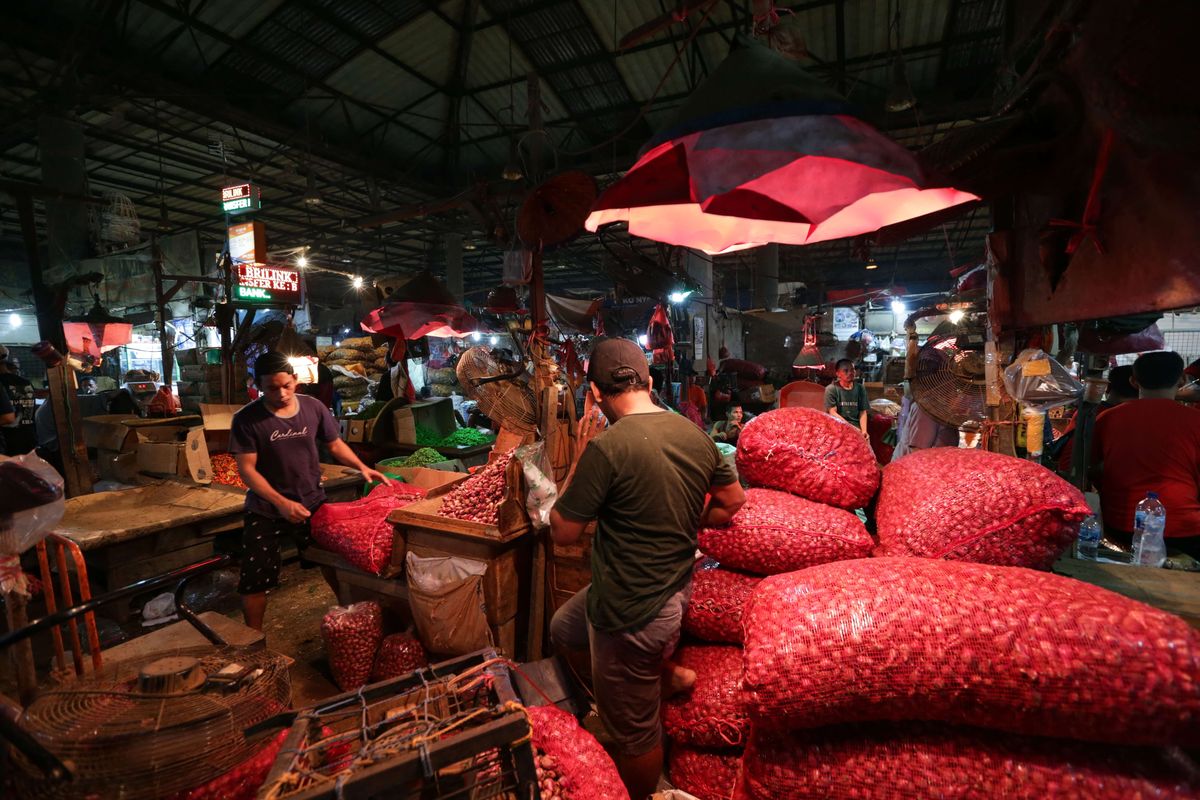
(1151, 444)
(729, 429)
(1120, 390)
(846, 399)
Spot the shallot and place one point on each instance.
(713, 713)
(1005, 648)
(352, 635)
(478, 498)
(809, 454)
(719, 596)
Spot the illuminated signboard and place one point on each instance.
(248, 243)
(257, 283)
(241, 198)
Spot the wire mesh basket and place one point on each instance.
(125, 739)
(453, 730)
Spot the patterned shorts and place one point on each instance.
(260, 550)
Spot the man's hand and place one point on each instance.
(370, 475)
(292, 511)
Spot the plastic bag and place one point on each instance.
(540, 489)
(446, 597)
(31, 504)
(352, 635)
(1040, 382)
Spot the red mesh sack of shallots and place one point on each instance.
(974, 505)
(718, 597)
(809, 454)
(918, 761)
(713, 713)
(359, 531)
(352, 635)
(241, 782)
(570, 760)
(706, 774)
(399, 654)
(996, 647)
(777, 532)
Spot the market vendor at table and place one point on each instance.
(274, 440)
(644, 481)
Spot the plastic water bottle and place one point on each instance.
(1149, 521)
(1090, 534)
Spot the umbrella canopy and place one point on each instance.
(763, 152)
(420, 307)
(96, 332)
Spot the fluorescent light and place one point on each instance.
(475, 336)
(956, 315)
(872, 265)
(493, 341)
(14, 320)
(643, 341)
(301, 262)
(898, 307)
(678, 297)
(358, 282)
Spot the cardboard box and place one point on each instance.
(436, 415)
(174, 451)
(218, 421)
(434, 481)
(207, 373)
(117, 466)
(119, 431)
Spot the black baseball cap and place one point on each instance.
(615, 362)
(270, 363)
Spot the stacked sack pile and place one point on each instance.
(952, 664)
(356, 364)
(807, 471)
(442, 381)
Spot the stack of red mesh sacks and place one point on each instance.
(807, 470)
(918, 677)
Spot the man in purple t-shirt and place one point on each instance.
(274, 440)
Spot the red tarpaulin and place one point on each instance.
(763, 153)
(421, 307)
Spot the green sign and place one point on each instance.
(241, 198)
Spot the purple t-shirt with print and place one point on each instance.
(287, 450)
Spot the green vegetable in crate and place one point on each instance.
(467, 437)
(426, 455)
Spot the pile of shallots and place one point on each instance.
(478, 498)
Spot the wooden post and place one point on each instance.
(21, 653)
(64, 403)
(160, 304)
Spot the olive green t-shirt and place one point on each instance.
(644, 480)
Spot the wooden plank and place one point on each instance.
(1173, 591)
(181, 635)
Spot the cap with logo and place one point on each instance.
(616, 362)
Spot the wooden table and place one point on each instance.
(1171, 590)
(136, 533)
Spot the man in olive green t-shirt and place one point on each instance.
(644, 480)
(846, 399)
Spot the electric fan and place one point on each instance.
(153, 727)
(502, 391)
(949, 381)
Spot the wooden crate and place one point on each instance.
(569, 568)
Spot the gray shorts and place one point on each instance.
(626, 667)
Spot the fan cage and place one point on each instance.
(122, 743)
(459, 736)
(509, 402)
(950, 384)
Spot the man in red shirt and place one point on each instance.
(1151, 444)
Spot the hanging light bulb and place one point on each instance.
(956, 315)
(164, 222)
(311, 196)
(899, 96)
(871, 264)
(14, 320)
(358, 282)
(898, 307)
(302, 262)
(512, 170)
